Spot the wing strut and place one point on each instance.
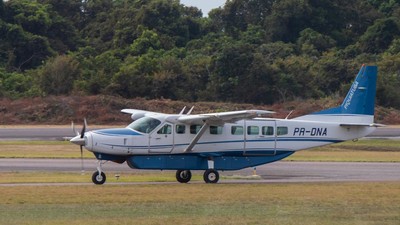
(197, 137)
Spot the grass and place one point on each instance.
(359, 203)
(366, 150)
(317, 203)
(71, 177)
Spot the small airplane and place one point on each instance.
(228, 140)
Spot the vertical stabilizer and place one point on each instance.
(359, 104)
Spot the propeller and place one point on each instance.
(79, 139)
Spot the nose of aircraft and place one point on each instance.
(78, 140)
(85, 141)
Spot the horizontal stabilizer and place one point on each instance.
(361, 125)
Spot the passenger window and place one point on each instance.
(281, 131)
(215, 130)
(253, 130)
(166, 129)
(180, 129)
(267, 130)
(194, 129)
(237, 130)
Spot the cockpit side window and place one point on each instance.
(144, 124)
(166, 129)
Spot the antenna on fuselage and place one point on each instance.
(190, 110)
(290, 113)
(183, 110)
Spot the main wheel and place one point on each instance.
(211, 176)
(183, 176)
(98, 178)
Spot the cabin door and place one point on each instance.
(162, 140)
(260, 138)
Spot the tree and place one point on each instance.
(230, 70)
(147, 40)
(379, 36)
(237, 15)
(167, 18)
(310, 40)
(71, 10)
(135, 76)
(1, 9)
(25, 49)
(57, 76)
(389, 81)
(293, 78)
(287, 19)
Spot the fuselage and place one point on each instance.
(244, 137)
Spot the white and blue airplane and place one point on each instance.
(229, 140)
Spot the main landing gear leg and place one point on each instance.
(183, 176)
(99, 177)
(211, 175)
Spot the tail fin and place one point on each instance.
(359, 104)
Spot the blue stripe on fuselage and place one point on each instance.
(117, 132)
(291, 139)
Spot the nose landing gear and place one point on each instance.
(99, 177)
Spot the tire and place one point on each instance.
(211, 176)
(183, 176)
(98, 178)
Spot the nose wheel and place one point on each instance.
(99, 177)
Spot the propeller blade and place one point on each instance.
(83, 128)
(73, 128)
(82, 169)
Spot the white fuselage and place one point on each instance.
(263, 136)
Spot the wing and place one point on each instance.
(221, 118)
(217, 119)
(137, 114)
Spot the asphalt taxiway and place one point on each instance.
(281, 171)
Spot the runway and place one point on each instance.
(285, 172)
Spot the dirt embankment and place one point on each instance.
(106, 109)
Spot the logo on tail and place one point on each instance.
(351, 93)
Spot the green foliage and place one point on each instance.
(57, 76)
(254, 51)
(313, 43)
(379, 36)
(16, 85)
(147, 40)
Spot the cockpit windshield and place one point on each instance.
(144, 124)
